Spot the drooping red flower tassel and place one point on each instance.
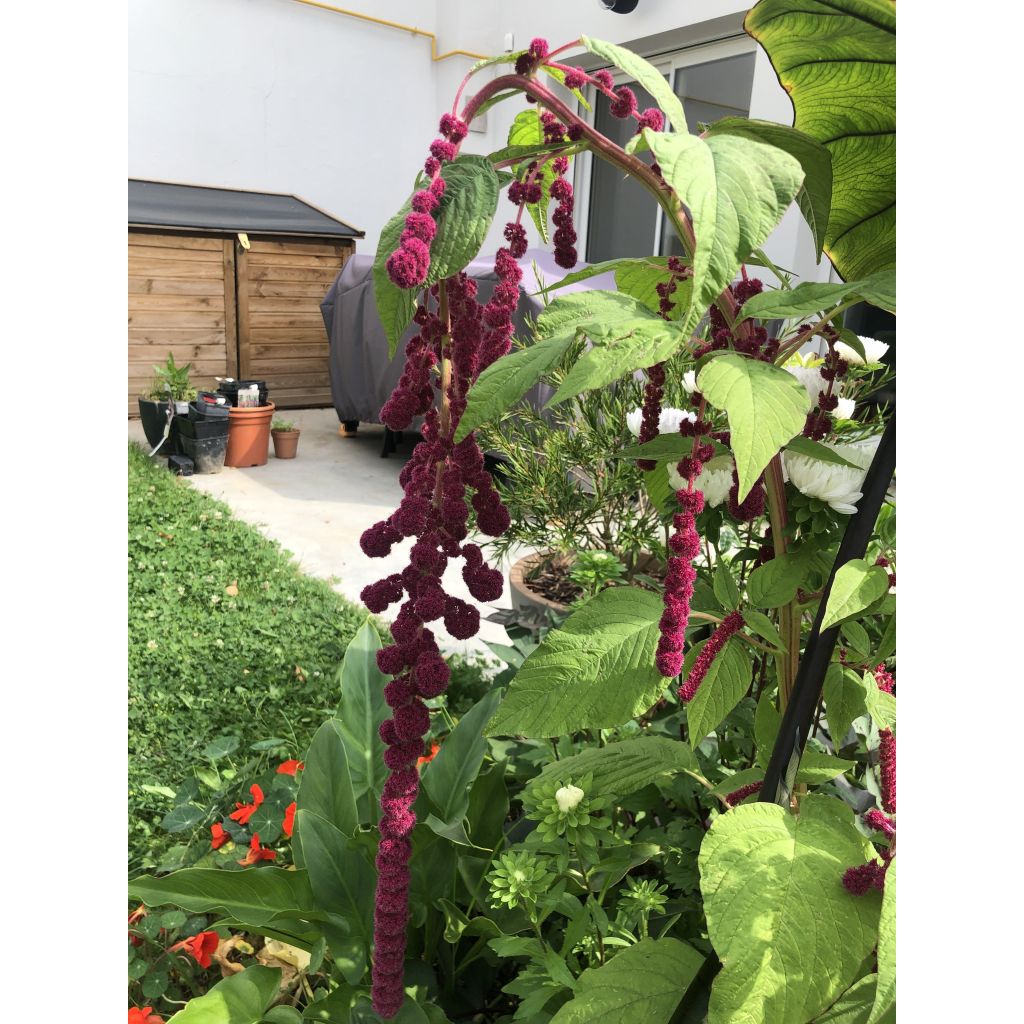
(864, 877)
(725, 629)
(887, 768)
(739, 795)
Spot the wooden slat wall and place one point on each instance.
(180, 300)
(281, 335)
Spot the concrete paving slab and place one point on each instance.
(318, 504)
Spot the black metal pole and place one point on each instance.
(810, 677)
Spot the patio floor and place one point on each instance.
(319, 503)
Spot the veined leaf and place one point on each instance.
(594, 672)
(726, 681)
(801, 445)
(568, 313)
(242, 998)
(856, 585)
(326, 786)
(395, 306)
(844, 700)
(885, 994)
(766, 407)
(837, 61)
(791, 939)
(814, 297)
(853, 1006)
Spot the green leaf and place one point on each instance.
(256, 896)
(881, 705)
(395, 306)
(464, 215)
(815, 767)
(736, 781)
(221, 747)
(763, 627)
(853, 1006)
(488, 806)
(837, 61)
(507, 379)
(815, 195)
(844, 700)
(267, 819)
(813, 297)
(644, 982)
(885, 994)
(623, 767)
(645, 74)
(736, 190)
(726, 591)
(594, 672)
(857, 637)
(789, 936)
(326, 785)
(813, 449)
(282, 1015)
(526, 129)
(856, 585)
(776, 582)
(448, 777)
(726, 681)
(240, 999)
(569, 313)
(361, 711)
(183, 817)
(766, 407)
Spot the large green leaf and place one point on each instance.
(726, 681)
(837, 61)
(736, 189)
(813, 297)
(395, 306)
(242, 998)
(789, 936)
(643, 983)
(507, 379)
(569, 313)
(815, 195)
(464, 215)
(766, 407)
(844, 700)
(594, 672)
(448, 777)
(624, 767)
(360, 712)
(853, 1006)
(857, 584)
(645, 74)
(255, 896)
(885, 994)
(326, 786)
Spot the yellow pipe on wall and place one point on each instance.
(434, 55)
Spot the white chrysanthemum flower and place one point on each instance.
(837, 485)
(633, 420)
(811, 378)
(668, 421)
(690, 381)
(844, 410)
(873, 349)
(568, 798)
(713, 482)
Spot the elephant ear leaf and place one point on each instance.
(837, 61)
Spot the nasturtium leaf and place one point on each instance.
(815, 195)
(242, 998)
(776, 582)
(857, 584)
(885, 994)
(595, 671)
(645, 982)
(267, 819)
(464, 215)
(644, 73)
(361, 711)
(326, 785)
(813, 297)
(395, 306)
(844, 700)
(507, 379)
(726, 681)
(448, 777)
(837, 61)
(221, 747)
(624, 767)
(766, 407)
(736, 190)
(254, 897)
(183, 817)
(791, 939)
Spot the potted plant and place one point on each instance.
(286, 438)
(170, 384)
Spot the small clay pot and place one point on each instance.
(286, 443)
(249, 436)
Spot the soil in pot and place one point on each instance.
(286, 443)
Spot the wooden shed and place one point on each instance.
(231, 281)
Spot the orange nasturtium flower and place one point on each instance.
(434, 748)
(288, 825)
(257, 853)
(290, 767)
(219, 836)
(136, 915)
(245, 811)
(143, 1015)
(201, 946)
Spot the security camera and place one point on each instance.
(619, 6)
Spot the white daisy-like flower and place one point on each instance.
(713, 481)
(690, 381)
(668, 421)
(844, 410)
(811, 378)
(873, 350)
(837, 485)
(568, 798)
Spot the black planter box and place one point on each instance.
(154, 421)
(206, 452)
(201, 429)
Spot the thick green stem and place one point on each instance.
(789, 616)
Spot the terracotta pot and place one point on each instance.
(249, 436)
(286, 443)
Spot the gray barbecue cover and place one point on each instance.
(362, 374)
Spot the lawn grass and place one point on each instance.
(205, 660)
